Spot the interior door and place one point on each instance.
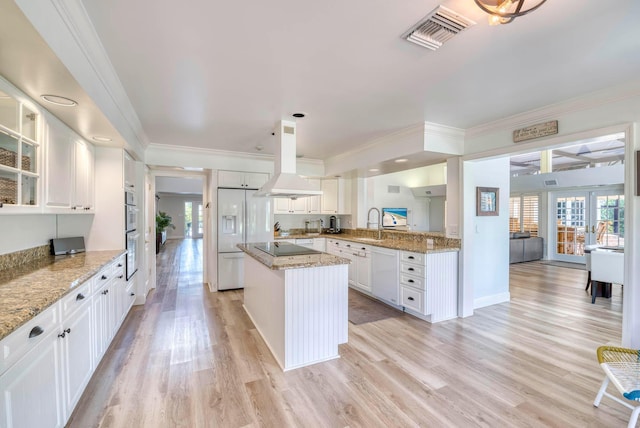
(588, 218)
(573, 217)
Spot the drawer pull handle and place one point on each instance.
(80, 296)
(410, 298)
(36, 331)
(363, 248)
(119, 264)
(411, 257)
(411, 269)
(410, 280)
(103, 277)
(64, 333)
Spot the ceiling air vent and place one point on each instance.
(437, 27)
(552, 182)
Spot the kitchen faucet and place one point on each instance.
(379, 223)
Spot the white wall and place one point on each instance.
(602, 176)
(191, 185)
(485, 238)
(174, 206)
(378, 196)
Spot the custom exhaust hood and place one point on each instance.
(285, 183)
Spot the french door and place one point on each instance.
(587, 218)
(193, 219)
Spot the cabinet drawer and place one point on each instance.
(412, 299)
(18, 343)
(412, 281)
(76, 298)
(412, 269)
(417, 258)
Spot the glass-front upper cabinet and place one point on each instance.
(19, 146)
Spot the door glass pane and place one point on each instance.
(514, 214)
(570, 217)
(8, 187)
(8, 111)
(610, 220)
(29, 188)
(200, 218)
(29, 123)
(28, 157)
(188, 219)
(8, 150)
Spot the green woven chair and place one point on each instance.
(622, 367)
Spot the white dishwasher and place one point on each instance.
(384, 274)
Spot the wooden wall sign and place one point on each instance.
(535, 131)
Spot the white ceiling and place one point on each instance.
(207, 73)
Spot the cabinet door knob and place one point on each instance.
(35, 331)
(80, 296)
(105, 292)
(64, 333)
(121, 276)
(410, 298)
(119, 264)
(133, 294)
(103, 277)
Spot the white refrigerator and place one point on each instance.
(242, 219)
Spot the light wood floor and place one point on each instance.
(191, 358)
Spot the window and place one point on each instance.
(523, 214)
(18, 153)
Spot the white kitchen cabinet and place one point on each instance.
(47, 363)
(334, 198)
(59, 170)
(363, 269)
(314, 203)
(289, 206)
(360, 266)
(320, 244)
(84, 176)
(129, 169)
(69, 172)
(77, 354)
(242, 180)
(31, 389)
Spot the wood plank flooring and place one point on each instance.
(191, 358)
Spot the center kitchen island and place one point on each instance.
(298, 300)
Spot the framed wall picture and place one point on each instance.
(487, 201)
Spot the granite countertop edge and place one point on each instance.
(392, 244)
(29, 290)
(293, 262)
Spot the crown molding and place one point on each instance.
(553, 111)
(67, 28)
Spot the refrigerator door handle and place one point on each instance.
(243, 215)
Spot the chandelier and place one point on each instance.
(505, 11)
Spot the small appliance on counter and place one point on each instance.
(334, 225)
(62, 246)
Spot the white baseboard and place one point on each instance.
(494, 299)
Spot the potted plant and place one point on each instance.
(163, 220)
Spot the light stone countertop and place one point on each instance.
(293, 262)
(394, 244)
(29, 289)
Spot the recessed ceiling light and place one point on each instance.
(374, 170)
(401, 160)
(59, 101)
(299, 115)
(102, 139)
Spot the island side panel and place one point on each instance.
(264, 303)
(316, 308)
(442, 286)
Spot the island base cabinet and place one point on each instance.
(31, 392)
(301, 313)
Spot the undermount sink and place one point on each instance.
(370, 239)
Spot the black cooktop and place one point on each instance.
(280, 249)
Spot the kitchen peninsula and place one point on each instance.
(298, 300)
